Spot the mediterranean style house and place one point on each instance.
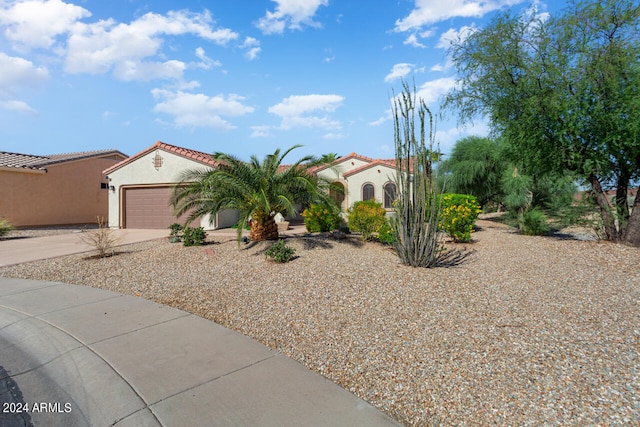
(57, 189)
(361, 178)
(140, 186)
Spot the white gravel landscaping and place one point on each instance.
(526, 331)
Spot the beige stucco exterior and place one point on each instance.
(162, 165)
(155, 167)
(353, 172)
(64, 193)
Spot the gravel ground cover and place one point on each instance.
(21, 233)
(526, 331)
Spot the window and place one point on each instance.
(389, 194)
(368, 192)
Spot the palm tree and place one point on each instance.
(258, 190)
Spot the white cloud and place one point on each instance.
(451, 35)
(205, 62)
(253, 48)
(446, 139)
(18, 72)
(15, 74)
(128, 49)
(134, 70)
(333, 136)
(17, 106)
(291, 14)
(297, 105)
(412, 40)
(308, 111)
(199, 110)
(432, 91)
(36, 23)
(399, 71)
(445, 41)
(428, 12)
(261, 132)
(386, 117)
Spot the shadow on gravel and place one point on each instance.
(454, 257)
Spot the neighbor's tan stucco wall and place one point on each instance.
(68, 193)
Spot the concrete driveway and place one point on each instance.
(20, 250)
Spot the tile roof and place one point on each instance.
(372, 163)
(33, 162)
(369, 162)
(198, 156)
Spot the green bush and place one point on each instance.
(535, 223)
(319, 219)
(386, 234)
(366, 217)
(280, 252)
(175, 231)
(5, 226)
(458, 215)
(193, 236)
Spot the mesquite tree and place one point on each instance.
(565, 92)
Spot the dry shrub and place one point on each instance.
(103, 239)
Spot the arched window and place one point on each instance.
(389, 194)
(368, 192)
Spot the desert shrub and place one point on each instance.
(386, 234)
(5, 226)
(535, 223)
(175, 231)
(366, 217)
(319, 219)
(103, 239)
(458, 215)
(280, 252)
(193, 236)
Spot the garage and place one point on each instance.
(148, 207)
(140, 188)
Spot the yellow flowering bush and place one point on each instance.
(366, 217)
(458, 214)
(319, 219)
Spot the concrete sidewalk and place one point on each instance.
(99, 358)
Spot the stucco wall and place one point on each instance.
(68, 193)
(378, 175)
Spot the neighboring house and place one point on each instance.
(56, 189)
(141, 187)
(361, 178)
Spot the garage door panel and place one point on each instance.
(148, 207)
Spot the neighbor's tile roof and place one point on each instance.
(372, 163)
(33, 162)
(198, 156)
(369, 163)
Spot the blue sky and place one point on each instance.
(239, 76)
